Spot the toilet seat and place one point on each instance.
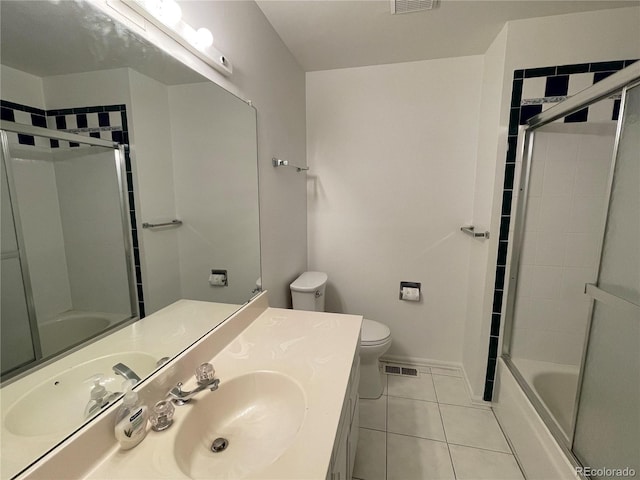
(374, 333)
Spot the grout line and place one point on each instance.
(453, 467)
(481, 448)
(509, 444)
(474, 407)
(446, 375)
(416, 399)
(386, 428)
(417, 438)
(372, 429)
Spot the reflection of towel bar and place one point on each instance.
(165, 224)
(471, 230)
(276, 162)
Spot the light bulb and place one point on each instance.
(203, 38)
(170, 12)
(154, 7)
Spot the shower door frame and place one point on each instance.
(618, 82)
(119, 159)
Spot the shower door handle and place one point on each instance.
(607, 298)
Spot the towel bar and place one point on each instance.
(165, 224)
(471, 231)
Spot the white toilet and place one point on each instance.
(307, 293)
(375, 340)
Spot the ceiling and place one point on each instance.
(45, 38)
(329, 34)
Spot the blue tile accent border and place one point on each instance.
(555, 86)
(118, 133)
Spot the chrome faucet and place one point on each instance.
(124, 371)
(205, 377)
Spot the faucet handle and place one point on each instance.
(205, 373)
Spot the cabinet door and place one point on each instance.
(353, 436)
(340, 466)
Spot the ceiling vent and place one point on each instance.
(410, 6)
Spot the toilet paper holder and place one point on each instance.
(410, 291)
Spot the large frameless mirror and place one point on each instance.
(105, 139)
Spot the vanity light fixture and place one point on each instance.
(167, 16)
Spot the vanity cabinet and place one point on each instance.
(346, 441)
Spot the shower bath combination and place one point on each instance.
(67, 271)
(572, 330)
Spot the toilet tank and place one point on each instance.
(307, 291)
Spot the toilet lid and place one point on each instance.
(309, 282)
(373, 332)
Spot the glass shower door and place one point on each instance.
(19, 343)
(607, 432)
(66, 254)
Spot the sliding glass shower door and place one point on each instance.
(607, 433)
(573, 308)
(66, 254)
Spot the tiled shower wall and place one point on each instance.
(533, 91)
(106, 122)
(566, 207)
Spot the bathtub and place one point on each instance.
(555, 385)
(72, 328)
(539, 454)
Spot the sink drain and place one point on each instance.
(219, 445)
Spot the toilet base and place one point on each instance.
(370, 386)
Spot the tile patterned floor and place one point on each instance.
(426, 427)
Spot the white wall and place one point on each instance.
(565, 39)
(266, 73)
(481, 271)
(20, 87)
(215, 177)
(152, 160)
(392, 151)
(105, 87)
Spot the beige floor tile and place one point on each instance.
(474, 464)
(473, 427)
(415, 417)
(451, 390)
(411, 458)
(450, 372)
(373, 413)
(371, 455)
(418, 388)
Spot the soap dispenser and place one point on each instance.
(100, 397)
(131, 418)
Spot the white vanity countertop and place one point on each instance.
(316, 350)
(163, 333)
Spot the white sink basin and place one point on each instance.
(57, 405)
(259, 414)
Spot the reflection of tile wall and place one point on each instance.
(106, 122)
(533, 91)
(566, 208)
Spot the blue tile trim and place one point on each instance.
(22, 108)
(517, 114)
(540, 72)
(121, 135)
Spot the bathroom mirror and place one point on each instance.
(191, 157)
